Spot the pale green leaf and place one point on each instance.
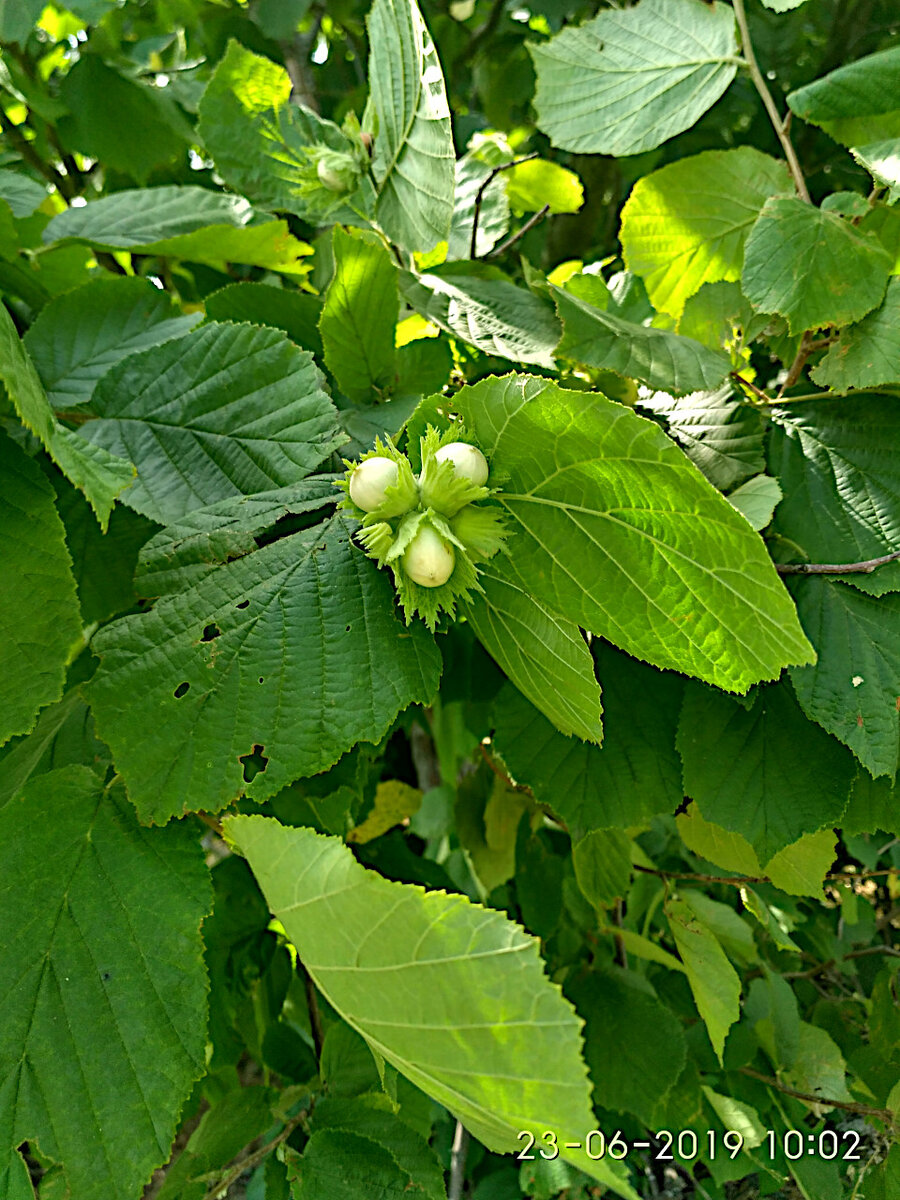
(882, 161)
(857, 103)
(634, 1046)
(632, 78)
(539, 183)
(868, 354)
(182, 222)
(40, 624)
(93, 469)
(731, 931)
(360, 314)
(800, 869)
(757, 499)
(104, 1015)
(717, 430)
(634, 775)
(726, 849)
(414, 161)
(544, 656)
(841, 490)
(686, 224)
(643, 948)
(616, 530)
(21, 193)
(225, 411)
(79, 335)
(493, 315)
(304, 658)
(852, 690)
(733, 1113)
(462, 1007)
(714, 982)
(721, 316)
(394, 801)
(743, 768)
(660, 359)
(812, 266)
(819, 1067)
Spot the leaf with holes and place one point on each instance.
(103, 981)
(228, 410)
(267, 668)
(443, 965)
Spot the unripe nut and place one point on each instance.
(467, 460)
(429, 559)
(334, 180)
(369, 481)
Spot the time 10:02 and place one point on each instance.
(795, 1143)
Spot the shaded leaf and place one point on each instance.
(295, 313)
(714, 982)
(305, 657)
(856, 103)
(40, 623)
(743, 768)
(633, 776)
(812, 266)
(103, 980)
(229, 409)
(868, 354)
(631, 79)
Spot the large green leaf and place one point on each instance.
(858, 102)
(93, 469)
(104, 1013)
(841, 489)
(39, 619)
(226, 410)
(765, 771)
(545, 657)
(615, 529)
(285, 657)
(102, 102)
(868, 354)
(812, 266)
(462, 1006)
(660, 359)
(360, 315)
(852, 690)
(414, 164)
(714, 982)
(635, 774)
(718, 431)
(634, 1045)
(182, 222)
(79, 335)
(491, 314)
(631, 79)
(686, 224)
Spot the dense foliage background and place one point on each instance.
(303, 896)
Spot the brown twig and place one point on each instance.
(796, 368)
(224, 1182)
(857, 568)
(758, 392)
(781, 126)
(863, 1110)
(513, 238)
(479, 195)
(733, 880)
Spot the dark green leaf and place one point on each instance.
(296, 313)
(856, 103)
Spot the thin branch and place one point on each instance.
(513, 238)
(252, 1160)
(315, 1017)
(857, 568)
(796, 368)
(758, 392)
(863, 1110)
(479, 195)
(21, 144)
(734, 880)
(458, 1162)
(781, 127)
